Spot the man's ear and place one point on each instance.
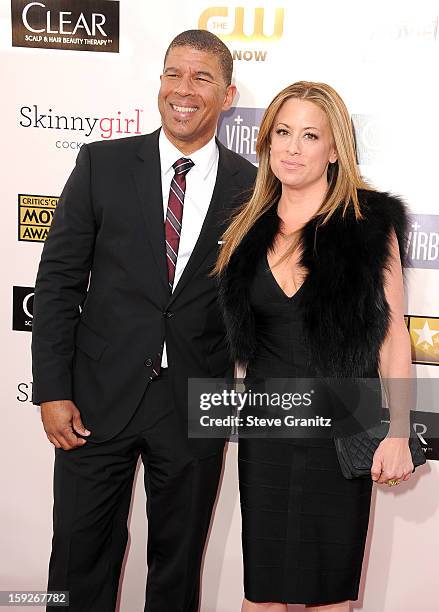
(230, 94)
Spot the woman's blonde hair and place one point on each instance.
(343, 176)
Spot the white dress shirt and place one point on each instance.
(200, 183)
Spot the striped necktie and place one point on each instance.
(174, 214)
(174, 217)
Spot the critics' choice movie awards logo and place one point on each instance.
(83, 25)
(22, 308)
(423, 242)
(248, 30)
(35, 214)
(424, 336)
(238, 130)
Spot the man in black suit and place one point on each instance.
(124, 313)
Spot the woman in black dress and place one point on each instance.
(311, 285)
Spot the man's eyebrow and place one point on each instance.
(205, 73)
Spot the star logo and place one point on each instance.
(426, 334)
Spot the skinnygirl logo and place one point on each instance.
(103, 127)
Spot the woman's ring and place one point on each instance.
(392, 483)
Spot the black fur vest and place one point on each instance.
(345, 312)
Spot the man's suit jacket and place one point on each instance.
(102, 305)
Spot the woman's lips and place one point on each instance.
(291, 165)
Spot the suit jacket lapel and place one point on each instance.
(147, 176)
(212, 227)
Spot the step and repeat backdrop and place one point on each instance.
(77, 71)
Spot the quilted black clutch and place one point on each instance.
(355, 452)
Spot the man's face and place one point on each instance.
(192, 96)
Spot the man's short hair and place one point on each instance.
(202, 40)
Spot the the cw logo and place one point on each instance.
(218, 12)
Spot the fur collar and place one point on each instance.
(345, 313)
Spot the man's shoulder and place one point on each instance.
(122, 146)
(127, 141)
(238, 162)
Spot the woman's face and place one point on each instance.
(301, 144)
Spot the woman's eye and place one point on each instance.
(311, 136)
(281, 132)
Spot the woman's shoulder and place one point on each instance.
(386, 215)
(382, 212)
(382, 204)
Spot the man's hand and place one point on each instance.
(61, 421)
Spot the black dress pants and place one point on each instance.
(92, 495)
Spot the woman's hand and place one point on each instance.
(392, 461)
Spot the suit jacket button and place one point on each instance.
(148, 362)
(168, 314)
